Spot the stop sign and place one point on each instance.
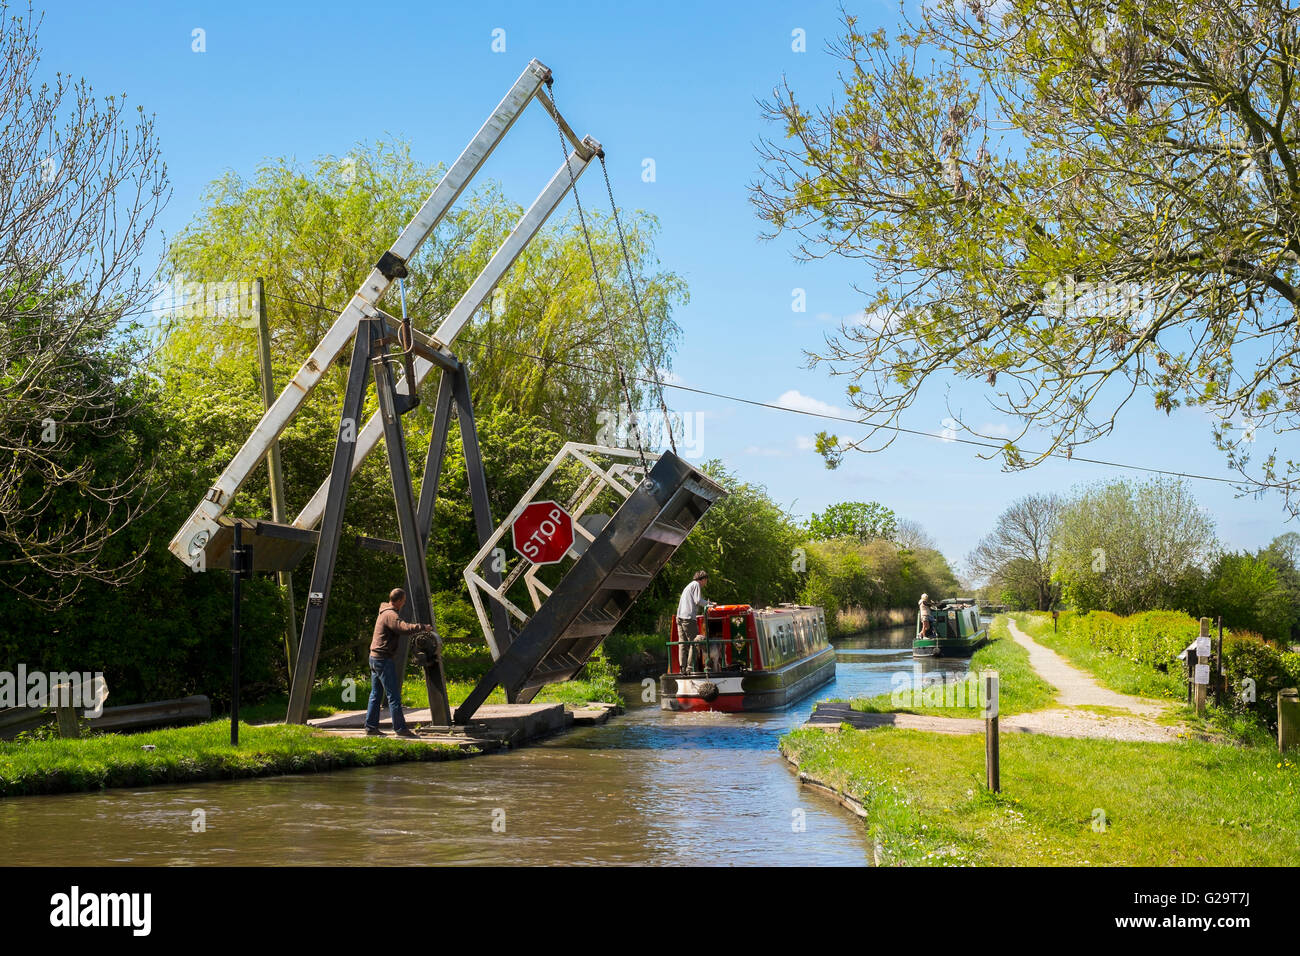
(543, 532)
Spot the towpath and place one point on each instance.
(1077, 694)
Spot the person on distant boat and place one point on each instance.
(927, 617)
(688, 630)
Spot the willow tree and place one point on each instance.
(540, 347)
(1073, 204)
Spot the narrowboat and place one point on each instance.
(955, 629)
(759, 659)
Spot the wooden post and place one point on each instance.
(278, 511)
(1220, 679)
(66, 713)
(1199, 686)
(1288, 719)
(992, 770)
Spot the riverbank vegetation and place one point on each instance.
(1226, 800)
(188, 754)
(1063, 802)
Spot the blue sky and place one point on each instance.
(673, 82)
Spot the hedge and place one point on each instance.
(1156, 638)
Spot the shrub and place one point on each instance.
(1247, 656)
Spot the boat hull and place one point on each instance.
(949, 647)
(734, 691)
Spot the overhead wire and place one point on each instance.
(740, 399)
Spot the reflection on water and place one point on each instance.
(649, 787)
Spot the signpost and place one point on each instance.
(1201, 672)
(543, 532)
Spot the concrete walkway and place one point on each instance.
(1076, 690)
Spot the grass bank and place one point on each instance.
(1022, 690)
(188, 754)
(1063, 801)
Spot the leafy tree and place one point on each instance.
(1283, 556)
(864, 520)
(1246, 591)
(1017, 554)
(876, 575)
(1126, 547)
(1070, 202)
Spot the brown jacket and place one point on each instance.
(389, 628)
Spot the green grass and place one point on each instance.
(1021, 689)
(1183, 804)
(1111, 671)
(185, 754)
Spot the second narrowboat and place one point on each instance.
(951, 628)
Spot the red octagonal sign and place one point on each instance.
(543, 532)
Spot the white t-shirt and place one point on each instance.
(691, 600)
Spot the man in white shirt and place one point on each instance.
(688, 631)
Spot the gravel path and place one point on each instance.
(1075, 687)
(1075, 690)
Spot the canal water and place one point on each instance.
(649, 787)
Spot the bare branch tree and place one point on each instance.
(1017, 554)
(80, 188)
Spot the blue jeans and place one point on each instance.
(383, 678)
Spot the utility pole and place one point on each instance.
(241, 566)
(278, 510)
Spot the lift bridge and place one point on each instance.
(655, 500)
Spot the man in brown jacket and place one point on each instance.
(389, 630)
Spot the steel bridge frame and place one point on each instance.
(203, 541)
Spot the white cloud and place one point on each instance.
(1001, 429)
(767, 452)
(806, 403)
(804, 442)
